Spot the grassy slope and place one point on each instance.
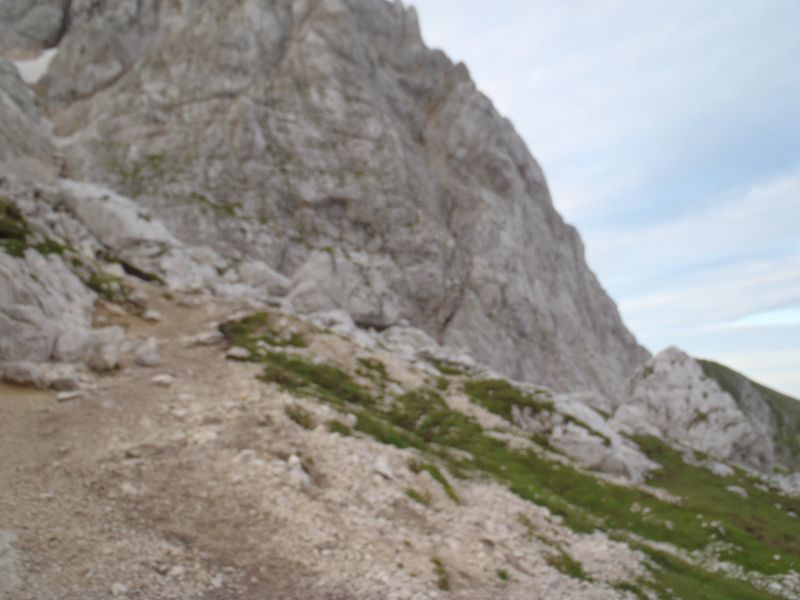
(757, 532)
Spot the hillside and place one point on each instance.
(286, 311)
(273, 456)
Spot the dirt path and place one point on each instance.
(204, 487)
(75, 519)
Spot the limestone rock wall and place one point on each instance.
(326, 140)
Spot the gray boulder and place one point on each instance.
(147, 354)
(104, 349)
(45, 310)
(260, 276)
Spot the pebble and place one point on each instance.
(382, 467)
(66, 396)
(147, 355)
(119, 589)
(164, 380)
(739, 491)
(153, 316)
(238, 352)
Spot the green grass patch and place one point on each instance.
(594, 432)
(374, 369)
(423, 421)
(418, 497)
(567, 565)
(340, 428)
(689, 582)
(756, 528)
(387, 433)
(300, 415)
(256, 329)
(327, 381)
(108, 287)
(502, 575)
(439, 570)
(14, 230)
(499, 396)
(425, 414)
(446, 368)
(436, 473)
(632, 589)
(51, 247)
(15, 234)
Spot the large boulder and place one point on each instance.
(45, 310)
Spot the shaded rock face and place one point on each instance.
(21, 130)
(325, 139)
(29, 26)
(45, 310)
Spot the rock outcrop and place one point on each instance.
(776, 415)
(29, 26)
(326, 141)
(22, 132)
(671, 397)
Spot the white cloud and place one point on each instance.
(756, 226)
(773, 318)
(718, 281)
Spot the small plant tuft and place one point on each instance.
(567, 565)
(374, 368)
(442, 578)
(418, 497)
(300, 415)
(499, 396)
(340, 428)
(255, 330)
(434, 472)
(446, 368)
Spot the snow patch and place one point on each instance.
(33, 69)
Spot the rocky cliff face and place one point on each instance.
(324, 139)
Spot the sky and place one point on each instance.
(669, 132)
